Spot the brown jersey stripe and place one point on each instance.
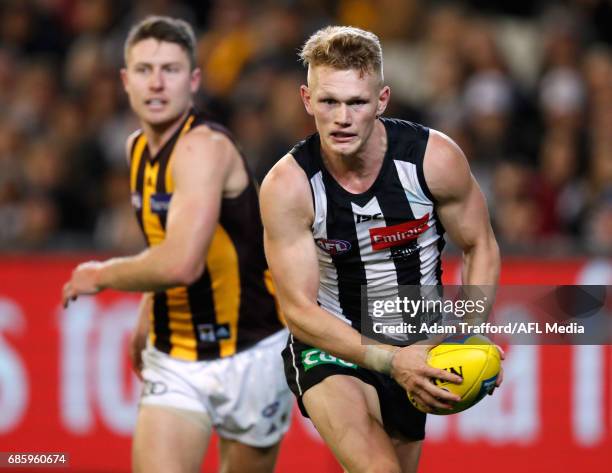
(223, 264)
(168, 178)
(161, 185)
(155, 235)
(184, 341)
(150, 219)
(161, 327)
(137, 167)
(203, 316)
(180, 314)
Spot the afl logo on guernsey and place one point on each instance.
(396, 235)
(333, 247)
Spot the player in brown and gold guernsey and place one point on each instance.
(209, 334)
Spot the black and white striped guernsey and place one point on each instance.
(387, 236)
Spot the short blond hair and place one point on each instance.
(344, 47)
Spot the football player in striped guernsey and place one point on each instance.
(208, 310)
(365, 202)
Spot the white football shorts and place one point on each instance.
(246, 395)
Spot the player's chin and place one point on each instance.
(346, 149)
(160, 118)
(156, 117)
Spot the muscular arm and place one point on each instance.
(462, 210)
(290, 249)
(201, 165)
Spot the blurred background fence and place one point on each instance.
(66, 385)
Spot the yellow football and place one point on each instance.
(475, 359)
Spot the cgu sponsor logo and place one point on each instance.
(333, 247)
(315, 357)
(397, 235)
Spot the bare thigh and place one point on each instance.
(168, 440)
(408, 453)
(238, 457)
(346, 412)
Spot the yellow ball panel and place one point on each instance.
(476, 360)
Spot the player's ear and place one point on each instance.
(383, 100)
(124, 80)
(306, 98)
(195, 79)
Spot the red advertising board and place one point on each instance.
(66, 385)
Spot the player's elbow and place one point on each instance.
(295, 328)
(290, 321)
(294, 314)
(484, 245)
(485, 251)
(185, 273)
(491, 249)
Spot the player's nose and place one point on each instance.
(156, 80)
(343, 116)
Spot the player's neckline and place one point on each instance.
(168, 145)
(379, 178)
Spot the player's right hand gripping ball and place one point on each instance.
(475, 359)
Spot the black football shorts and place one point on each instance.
(306, 366)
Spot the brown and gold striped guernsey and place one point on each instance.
(232, 305)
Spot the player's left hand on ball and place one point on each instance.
(411, 371)
(84, 280)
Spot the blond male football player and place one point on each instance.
(329, 208)
(214, 335)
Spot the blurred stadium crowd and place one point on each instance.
(526, 91)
